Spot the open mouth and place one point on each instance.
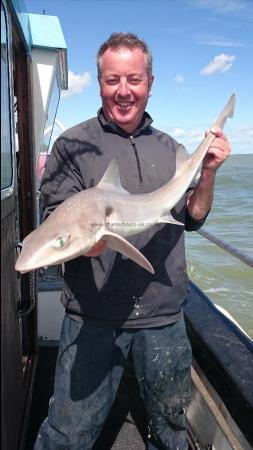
(124, 104)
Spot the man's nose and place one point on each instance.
(123, 89)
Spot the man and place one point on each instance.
(113, 306)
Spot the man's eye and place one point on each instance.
(134, 80)
(112, 81)
(61, 241)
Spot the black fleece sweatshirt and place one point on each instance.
(111, 290)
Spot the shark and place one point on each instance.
(110, 213)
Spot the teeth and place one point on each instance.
(124, 104)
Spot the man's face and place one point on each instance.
(124, 86)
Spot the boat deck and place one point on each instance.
(224, 354)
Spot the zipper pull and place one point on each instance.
(132, 140)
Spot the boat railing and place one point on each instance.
(223, 424)
(234, 251)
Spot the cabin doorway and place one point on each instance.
(18, 298)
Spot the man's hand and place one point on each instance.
(217, 153)
(97, 249)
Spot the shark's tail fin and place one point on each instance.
(228, 111)
(182, 155)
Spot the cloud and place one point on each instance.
(218, 41)
(190, 136)
(241, 138)
(77, 83)
(179, 78)
(221, 63)
(221, 6)
(178, 132)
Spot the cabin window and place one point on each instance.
(6, 142)
(50, 118)
(48, 131)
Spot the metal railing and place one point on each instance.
(245, 258)
(221, 421)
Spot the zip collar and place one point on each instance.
(112, 126)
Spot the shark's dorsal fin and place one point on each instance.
(111, 176)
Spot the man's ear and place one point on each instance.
(150, 83)
(99, 83)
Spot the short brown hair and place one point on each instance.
(127, 40)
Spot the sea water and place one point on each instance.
(227, 281)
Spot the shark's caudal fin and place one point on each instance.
(183, 157)
(118, 243)
(228, 111)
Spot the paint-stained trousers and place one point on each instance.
(90, 364)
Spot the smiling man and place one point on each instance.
(125, 85)
(116, 310)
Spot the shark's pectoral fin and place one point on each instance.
(169, 219)
(118, 243)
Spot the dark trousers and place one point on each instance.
(90, 364)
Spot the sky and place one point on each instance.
(202, 50)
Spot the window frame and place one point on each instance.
(8, 191)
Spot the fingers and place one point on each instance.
(218, 154)
(218, 151)
(221, 142)
(218, 132)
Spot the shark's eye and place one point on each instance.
(61, 241)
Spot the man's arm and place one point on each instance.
(62, 178)
(200, 200)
